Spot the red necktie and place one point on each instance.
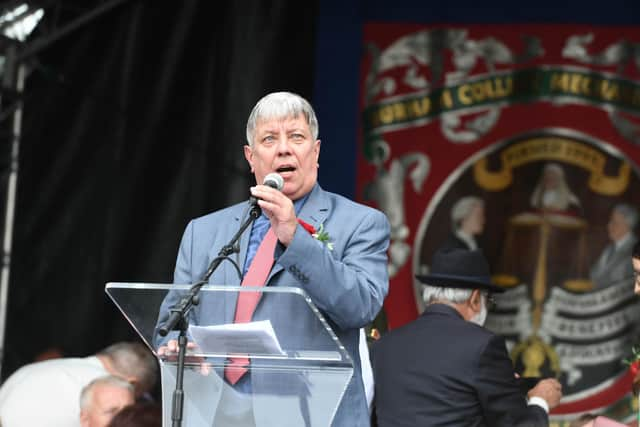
(247, 301)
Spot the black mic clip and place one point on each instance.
(254, 208)
(272, 180)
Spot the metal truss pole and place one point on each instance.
(10, 207)
(36, 46)
(16, 60)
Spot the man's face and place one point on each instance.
(474, 222)
(617, 226)
(106, 401)
(285, 146)
(551, 179)
(636, 275)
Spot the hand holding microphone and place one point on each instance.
(272, 180)
(276, 206)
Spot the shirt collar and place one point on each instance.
(468, 239)
(618, 244)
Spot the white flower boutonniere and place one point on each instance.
(320, 235)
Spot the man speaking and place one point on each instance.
(344, 273)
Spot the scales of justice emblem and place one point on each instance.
(561, 321)
(546, 221)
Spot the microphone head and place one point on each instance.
(274, 180)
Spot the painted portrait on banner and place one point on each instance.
(523, 142)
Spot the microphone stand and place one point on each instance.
(178, 318)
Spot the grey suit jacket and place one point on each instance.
(348, 284)
(614, 267)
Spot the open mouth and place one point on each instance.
(285, 169)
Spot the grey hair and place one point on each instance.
(86, 395)
(462, 208)
(554, 167)
(132, 359)
(432, 294)
(629, 213)
(281, 105)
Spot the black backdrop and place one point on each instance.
(133, 125)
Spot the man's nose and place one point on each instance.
(283, 144)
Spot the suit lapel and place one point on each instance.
(622, 253)
(228, 275)
(244, 243)
(314, 211)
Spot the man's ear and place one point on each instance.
(135, 383)
(84, 418)
(317, 150)
(248, 155)
(475, 301)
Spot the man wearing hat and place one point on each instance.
(445, 369)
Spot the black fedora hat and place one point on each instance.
(459, 268)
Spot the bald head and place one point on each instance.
(133, 362)
(102, 398)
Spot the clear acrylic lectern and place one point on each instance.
(298, 368)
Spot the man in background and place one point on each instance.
(102, 399)
(445, 369)
(46, 393)
(467, 219)
(613, 265)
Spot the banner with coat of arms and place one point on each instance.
(523, 141)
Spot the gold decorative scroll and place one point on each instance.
(549, 149)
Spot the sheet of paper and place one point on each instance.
(256, 338)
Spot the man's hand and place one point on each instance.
(279, 209)
(171, 349)
(170, 352)
(548, 389)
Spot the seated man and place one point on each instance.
(612, 266)
(445, 369)
(102, 399)
(53, 386)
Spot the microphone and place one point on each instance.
(272, 180)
